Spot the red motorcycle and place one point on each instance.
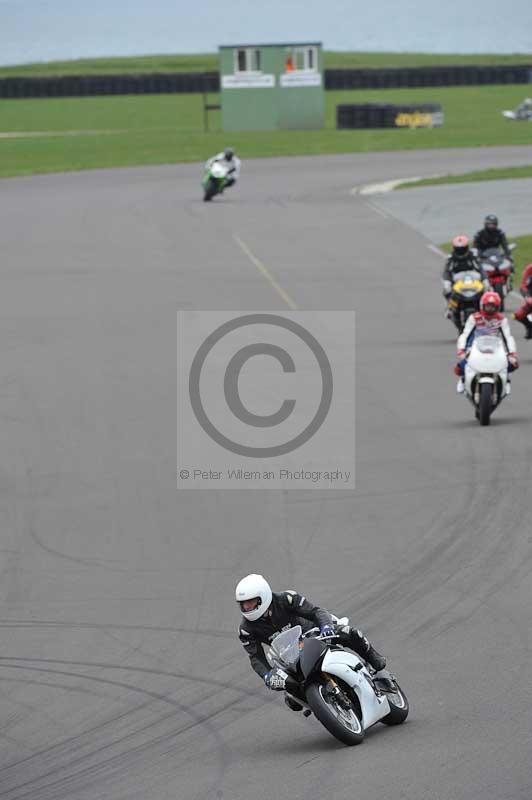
(499, 271)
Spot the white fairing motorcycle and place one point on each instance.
(346, 696)
(215, 180)
(486, 375)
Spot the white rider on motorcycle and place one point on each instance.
(489, 320)
(229, 160)
(266, 613)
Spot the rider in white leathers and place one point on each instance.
(229, 160)
(487, 320)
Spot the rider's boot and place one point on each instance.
(525, 322)
(356, 640)
(375, 659)
(292, 704)
(460, 386)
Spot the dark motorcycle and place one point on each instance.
(499, 271)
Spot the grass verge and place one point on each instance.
(522, 254)
(503, 173)
(160, 129)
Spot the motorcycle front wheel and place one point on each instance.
(210, 190)
(341, 718)
(485, 403)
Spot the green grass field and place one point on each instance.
(522, 254)
(502, 173)
(209, 61)
(156, 129)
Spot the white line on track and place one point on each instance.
(380, 211)
(437, 251)
(265, 272)
(386, 186)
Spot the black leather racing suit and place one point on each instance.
(485, 239)
(454, 265)
(286, 610)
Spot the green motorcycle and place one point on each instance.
(215, 180)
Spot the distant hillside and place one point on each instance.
(207, 62)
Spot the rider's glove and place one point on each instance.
(275, 680)
(447, 288)
(326, 630)
(512, 358)
(460, 354)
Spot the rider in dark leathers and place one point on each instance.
(461, 259)
(491, 236)
(275, 611)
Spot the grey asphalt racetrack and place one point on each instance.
(121, 676)
(439, 212)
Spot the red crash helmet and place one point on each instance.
(490, 299)
(460, 246)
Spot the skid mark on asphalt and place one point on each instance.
(87, 562)
(86, 772)
(240, 690)
(50, 623)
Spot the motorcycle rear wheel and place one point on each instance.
(499, 290)
(399, 707)
(346, 726)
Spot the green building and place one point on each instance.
(271, 86)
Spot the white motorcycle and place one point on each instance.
(486, 375)
(346, 696)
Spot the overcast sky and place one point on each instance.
(43, 30)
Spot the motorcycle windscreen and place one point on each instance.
(285, 646)
(487, 343)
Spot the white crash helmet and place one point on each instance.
(249, 588)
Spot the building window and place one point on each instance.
(247, 60)
(255, 60)
(300, 59)
(241, 60)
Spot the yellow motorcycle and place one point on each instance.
(467, 289)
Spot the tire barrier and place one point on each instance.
(196, 82)
(386, 115)
(411, 77)
(90, 85)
